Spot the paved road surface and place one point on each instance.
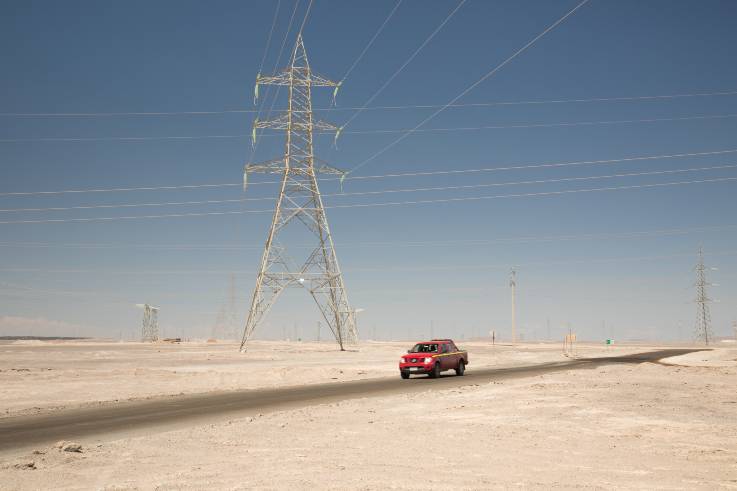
(140, 417)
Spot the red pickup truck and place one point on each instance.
(433, 357)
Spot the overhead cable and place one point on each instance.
(450, 243)
(404, 132)
(472, 86)
(385, 176)
(407, 62)
(371, 41)
(383, 204)
(379, 108)
(381, 191)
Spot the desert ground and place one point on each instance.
(670, 424)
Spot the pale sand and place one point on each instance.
(41, 375)
(647, 426)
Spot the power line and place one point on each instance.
(381, 204)
(268, 40)
(544, 125)
(535, 102)
(65, 293)
(371, 41)
(304, 20)
(381, 191)
(524, 195)
(450, 267)
(537, 181)
(404, 132)
(380, 108)
(543, 165)
(266, 50)
(407, 62)
(254, 147)
(450, 243)
(474, 85)
(385, 176)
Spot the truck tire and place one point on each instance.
(461, 368)
(405, 375)
(435, 373)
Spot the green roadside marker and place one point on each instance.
(608, 341)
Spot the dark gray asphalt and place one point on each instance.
(140, 417)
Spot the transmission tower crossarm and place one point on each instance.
(329, 169)
(274, 166)
(282, 78)
(280, 122)
(319, 81)
(283, 123)
(285, 79)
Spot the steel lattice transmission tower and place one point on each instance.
(299, 205)
(513, 287)
(150, 323)
(703, 314)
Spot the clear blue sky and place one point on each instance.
(406, 265)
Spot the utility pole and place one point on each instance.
(703, 314)
(513, 286)
(299, 205)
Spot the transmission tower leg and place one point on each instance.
(267, 290)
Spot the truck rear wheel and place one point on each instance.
(435, 373)
(461, 368)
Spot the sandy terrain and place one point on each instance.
(670, 425)
(38, 375)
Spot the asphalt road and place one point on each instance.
(141, 417)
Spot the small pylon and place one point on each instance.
(513, 287)
(703, 313)
(150, 323)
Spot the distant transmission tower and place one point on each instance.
(299, 204)
(513, 286)
(226, 322)
(150, 324)
(703, 315)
